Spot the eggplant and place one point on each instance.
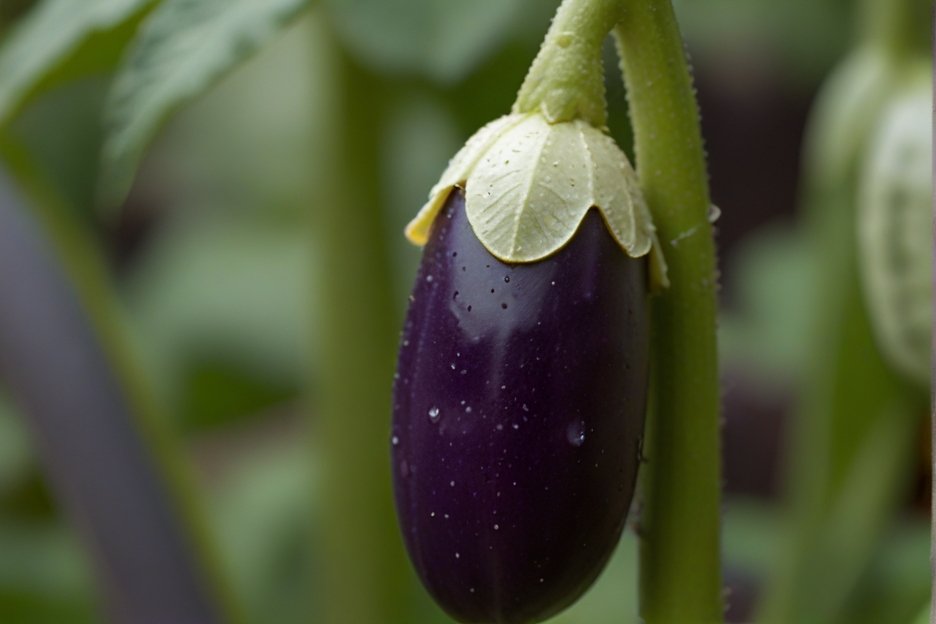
(518, 412)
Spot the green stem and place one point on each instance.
(900, 27)
(566, 80)
(365, 575)
(680, 575)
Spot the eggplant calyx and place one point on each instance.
(529, 184)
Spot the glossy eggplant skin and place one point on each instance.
(519, 404)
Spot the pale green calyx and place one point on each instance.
(895, 229)
(528, 185)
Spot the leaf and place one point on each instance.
(183, 48)
(438, 38)
(61, 39)
(225, 290)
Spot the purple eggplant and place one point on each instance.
(518, 412)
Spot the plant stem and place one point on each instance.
(680, 574)
(103, 445)
(365, 574)
(900, 27)
(566, 80)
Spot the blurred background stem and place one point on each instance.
(365, 574)
(680, 565)
(113, 466)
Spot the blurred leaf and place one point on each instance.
(923, 617)
(441, 39)
(183, 48)
(59, 40)
(252, 143)
(230, 293)
(218, 392)
(613, 597)
(773, 284)
(799, 39)
(44, 576)
(264, 511)
(898, 581)
(60, 128)
(422, 129)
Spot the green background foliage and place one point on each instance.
(204, 147)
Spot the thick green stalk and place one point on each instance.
(365, 576)
(680, 575)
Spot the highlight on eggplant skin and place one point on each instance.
(519, 402)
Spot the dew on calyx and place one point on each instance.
(395, 440)
(575, 433)
(434, 414)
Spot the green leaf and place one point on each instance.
(219, 295)
(183, 48)
(437, 38)
(59, 40)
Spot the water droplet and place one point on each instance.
(394, 440)
(552, 283)
(451, 484)
(432, 514)
(468, 410)
(507, 279)
(428, 278)
(406, 343)
(525, 408)
(434, 414)
(575, 433)
(713, 213)
(457, 556)
(503, 306)
(496, 527)
(471, 589)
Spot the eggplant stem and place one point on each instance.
(680, 567)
